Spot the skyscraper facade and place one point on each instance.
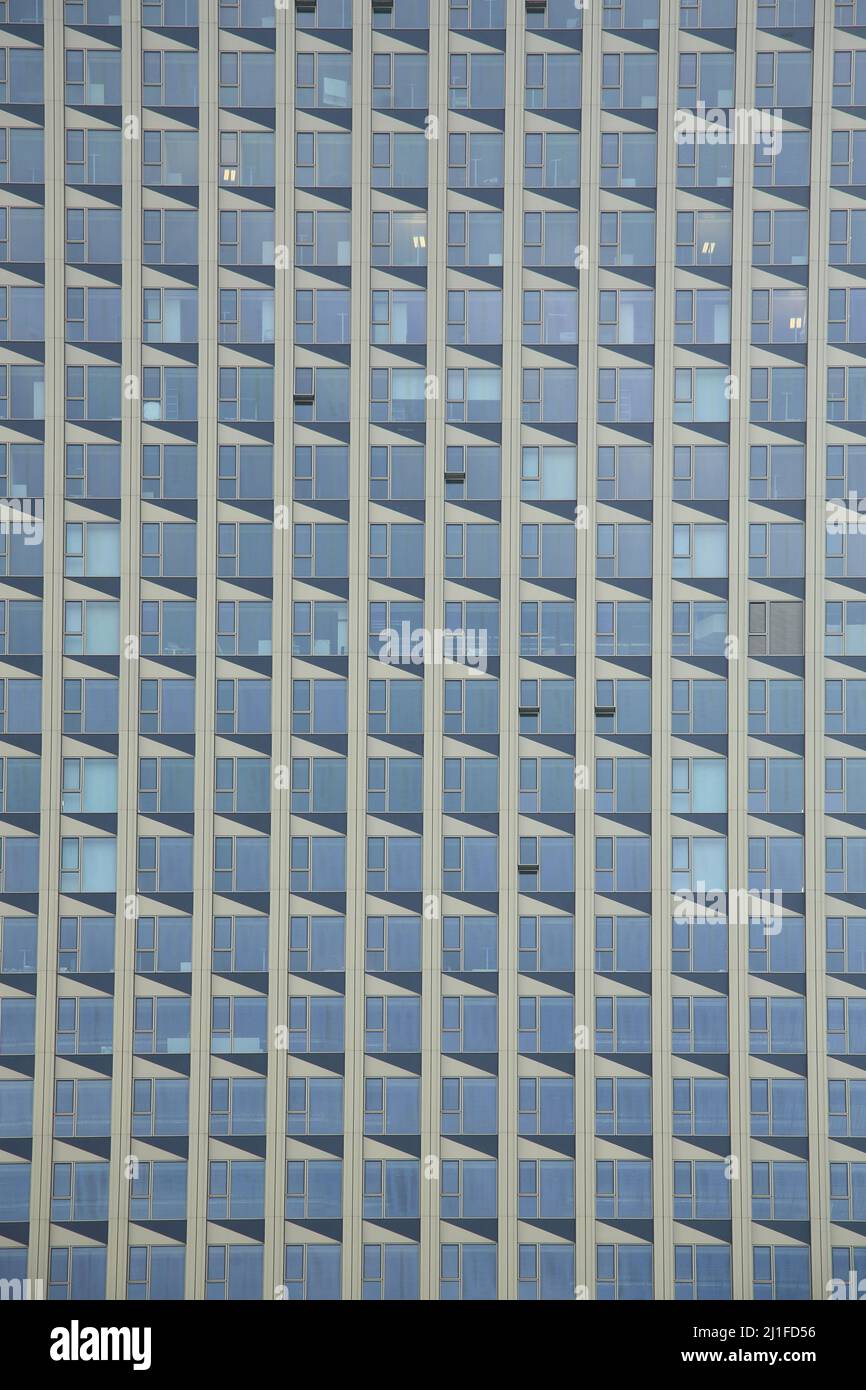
(432, 649)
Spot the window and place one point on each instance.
(785, 79)
(314, 1105)
(236, 1189)
(248, 158)
(777, 471)
(17, 945)
(247, 238)
(474, 394)
(624, 1271)
(476, 81)
(399, 160)
(780, 1191)
(699, 1024)
(702, 1272)
(702, 316)
(22, 155)
(707, 78)
(703, 238)
(623, 628)
(248, 79)
(789, 164)
(776, 628)
(776, 1025)
(622, 785)
(776, 784)
(551, 81)
(392, 1105)
(22, 236)
(169, 237)
(631, 14)
(847, 233)
(622, 1024)
(777, 549)
(622, 944)
(702, 1190)
(82, 1109)
(398, 238)
(553, 14)
(238, 1025)
(477, 14)
(708, 14)
(155, 1272)
(622, 863)
(77, 1272)
(780, 238)
(622, 1105)
(318, 863)
(846, 944)
(394, 863)
(550, 160)
(399, 81)
(700, 1106)
(165, 863)
(79, 1192)
(776, 863)
(322, 159)
(623, 472)
(467, 1271)
(773, 14)
(167, 78)
(84, 1026)
(777, 706)
(168, 157)
(701, 163)
(313, 1271)
(625, 316)
(321, 394)
(327, 14)
(314, 1189)
(473, 471)
(629, 81)
(846, 393)
(475, 316)
(157, 1191)
(547, 629)
(475, 159)
(234, 1271)
(622, 706)
(778, 1107)
(395, 706)
(167, 471)
(397, 393)
(22, 474)
(625, 394)
(549, 238)
(474, 238)
(163, 944)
